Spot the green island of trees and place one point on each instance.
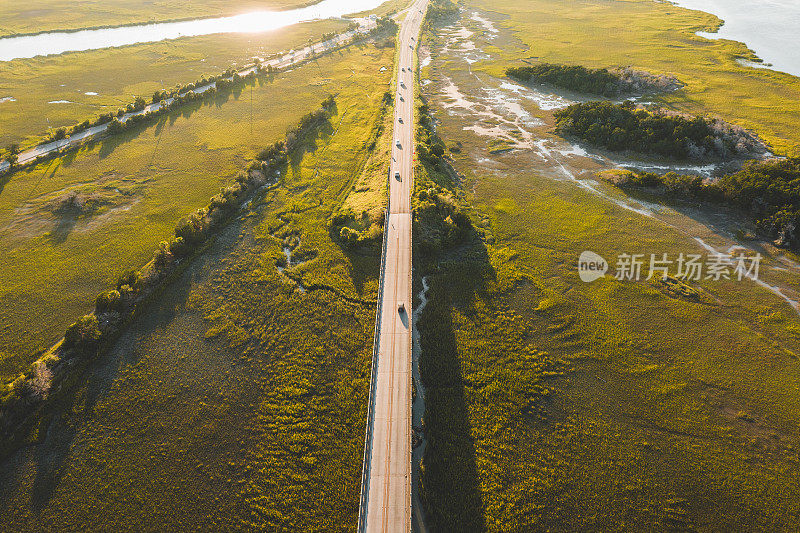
(603, 82)
(769, 191)
(621, 127)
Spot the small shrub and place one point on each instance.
(83, 335)
(108, 301)
(129, 278)
(348, 236)
(179, 248)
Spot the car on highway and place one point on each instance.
(397, 142)
(397, 176)
(401, 307)
(400, 120)
(403, 69)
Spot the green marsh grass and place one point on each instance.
(150, 178)
(118, 75)
(555, 404)
(239, 401)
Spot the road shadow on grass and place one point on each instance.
(450, 482)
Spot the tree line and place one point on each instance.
(167, 100)
(440, 222)
(177, 96)
(439, 9)
(91, 333)
(573, 77)
(603, 82)
(769, 191)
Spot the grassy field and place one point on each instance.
(48, 15)
(239, 401)
(118, 75)
(554, 404)
(136, 186)
(656, 36)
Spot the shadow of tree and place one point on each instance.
(64, 226)
(52, 454)
(48, 168)
(722, 219)
(308, 144)
(68, 158)
(363, 263)
(62, 420)
(4, 179)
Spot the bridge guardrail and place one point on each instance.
(365, 468)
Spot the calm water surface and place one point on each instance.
(260, 21)
(771, 28)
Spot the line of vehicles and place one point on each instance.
(397, 142)
(401, 307)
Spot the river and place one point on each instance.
(59, 42)
(768, 27)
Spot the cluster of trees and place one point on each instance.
(439, 222)
(430, 147)
(384, 25)
(572, 77)
(58, 134)
(768, 190)
(351, 237)
(91, 332)
(12, 154)
(329, 35)
(601, 81)
(620, 127)
(441, 8)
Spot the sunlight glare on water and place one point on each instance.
(260, 21)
